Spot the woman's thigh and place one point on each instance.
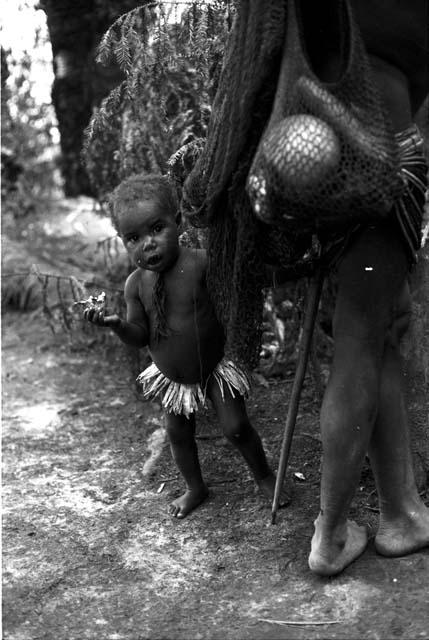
(372, 279)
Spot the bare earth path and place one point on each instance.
(89, 551)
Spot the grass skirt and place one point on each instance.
(407, 212)
(409, 209)
(184, 399)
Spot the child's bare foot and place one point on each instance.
(330, 555)
(267, 487)
(186, 503)
(404, 534)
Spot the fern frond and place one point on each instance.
(123, 54)
(211, 23)
(114, 100)
(200, 40)
(104, 49)
(190, 148)
(122, 28)
(113, 103)
(88, 135)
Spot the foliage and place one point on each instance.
(171, 64)
(28, 150)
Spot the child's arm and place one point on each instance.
(134, 330)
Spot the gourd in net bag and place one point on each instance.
(328, 157)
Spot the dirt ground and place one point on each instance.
(89, 551)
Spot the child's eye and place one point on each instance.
(158, 227)
(132, 239)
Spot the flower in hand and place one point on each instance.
(94, 310)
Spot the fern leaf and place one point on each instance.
(190, 148)
(123, 54)
(104, 49)
(119, 29)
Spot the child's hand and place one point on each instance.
(97, 317)
(95, 309)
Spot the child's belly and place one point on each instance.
(189, 356)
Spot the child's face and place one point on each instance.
(149, 234)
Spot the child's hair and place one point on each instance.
(144, 186)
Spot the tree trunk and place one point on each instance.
(75, 29)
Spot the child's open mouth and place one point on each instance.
(153, 260)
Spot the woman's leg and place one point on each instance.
(181, 433)
(370, 278)
(234, 421)
(404, 519)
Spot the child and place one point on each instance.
(169, 310)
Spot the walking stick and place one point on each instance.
(313, 298)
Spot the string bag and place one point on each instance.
(328, 157)
(239, 245)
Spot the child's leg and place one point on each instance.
(181, 433)
(371, 277)
(236, 426)
(404, 519)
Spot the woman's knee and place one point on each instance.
(401, 317)
(352, 392)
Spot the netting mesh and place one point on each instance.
(214, 194)
(230, 281)
(328, 157)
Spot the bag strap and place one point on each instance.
(354, 83)
(295, 59)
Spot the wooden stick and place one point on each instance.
(299, 622)
(313, 298)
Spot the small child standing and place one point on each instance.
(169, 310)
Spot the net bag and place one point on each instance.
(214, 194)
(328, 157)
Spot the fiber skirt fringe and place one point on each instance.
(184, 399)
(408, 210)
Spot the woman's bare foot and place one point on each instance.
(331, 554)
(267, 487)
(186, 503)
(404, 534)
